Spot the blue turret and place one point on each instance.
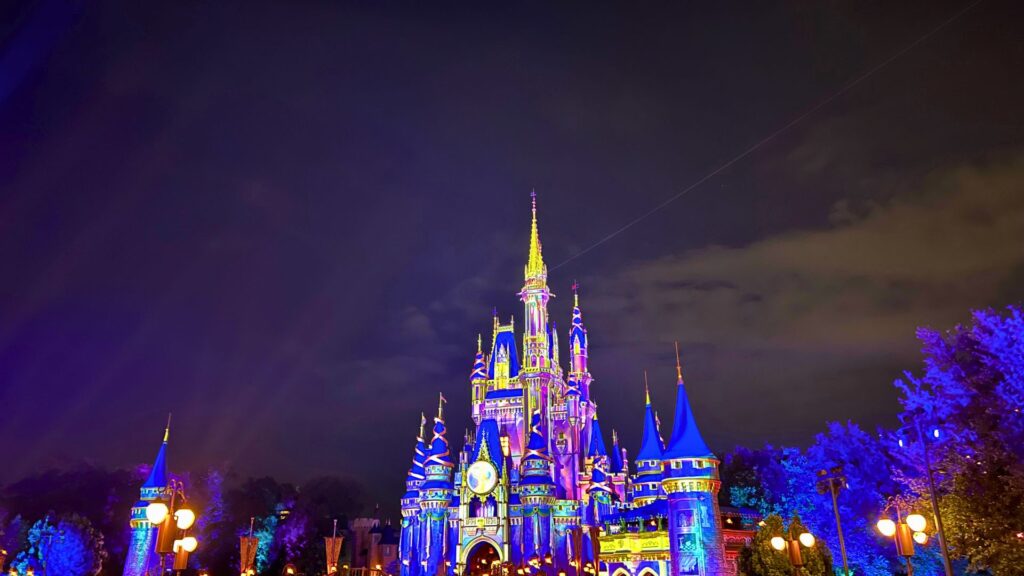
(536, 493)
(691, 484)
(409, 542)
(435, 498)
(615, 458)
(577, 336)
(647, 484)
(143, 534)
(596, 441)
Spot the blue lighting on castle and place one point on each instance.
(534, 486)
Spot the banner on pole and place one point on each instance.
(332, 545)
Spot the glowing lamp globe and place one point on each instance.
(156, 512)
(807, 539)
(921, 538)
(886, 527)
(189, 543)
(917, 522)
(185, 518)
(779, 543)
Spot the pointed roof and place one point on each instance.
(420, 455)
(535, 268)
(650, 446)
(596, 440)
(158, 475)
(577, 330)
(615, 457)
(686, 441)
(504, 346)
(479, 366)
(535, 464)
(439, 453)
(488, 444)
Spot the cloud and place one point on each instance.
(924, 257)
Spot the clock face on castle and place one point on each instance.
(481, 476)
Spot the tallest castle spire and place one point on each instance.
(536, 272)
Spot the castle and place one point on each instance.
(534, 488)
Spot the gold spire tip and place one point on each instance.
(679, 366)
(647, 390)
(167, 430)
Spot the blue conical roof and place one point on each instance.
(158, 475)
(615, 458)
(686, 441)
(596, 440)
(479, 366)
(650, 447)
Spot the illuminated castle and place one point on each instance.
(534, 489)
(143, 534)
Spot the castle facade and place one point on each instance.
(534, 488)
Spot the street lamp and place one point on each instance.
(923, 440)
(172, 524)
(831, 481)
(905, 531)
(796, 557)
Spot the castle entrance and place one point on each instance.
(483, 560)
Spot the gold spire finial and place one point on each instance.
(167, 430)
(479, 344)
(535, 263)
(423, 424)
(575, 294)
(647, 390)
(679, 366)
(440, 405)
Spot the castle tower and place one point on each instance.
(647, 482)
(143, 534)
(691, 484)
(478, 381)
(435, 497)
(535, 296)
(537, 494)
(409, 538)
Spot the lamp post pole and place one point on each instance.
(935, 501)
(832, 478)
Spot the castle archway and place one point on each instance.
(483, 559)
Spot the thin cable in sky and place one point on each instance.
(846, 88)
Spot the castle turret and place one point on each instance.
(647, 483)
(536, 493)
(478, 380)
(409, 537)
(691, 484)
(435, 497)
(577, 336)
(143, 533)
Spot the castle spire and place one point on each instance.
(686, 440)
(535, 269)
(158, 474)
(650, 448)
(679, 367)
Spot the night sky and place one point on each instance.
(286, 223)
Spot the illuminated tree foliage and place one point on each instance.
(72, 547)
(969, 403)
(760, 559)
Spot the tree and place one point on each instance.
(72, 547)
(760, 559)
(969, 398)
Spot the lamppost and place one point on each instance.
(923, 440)
(172, 522)
(905, 531)
(796, 557)
(832, 481)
